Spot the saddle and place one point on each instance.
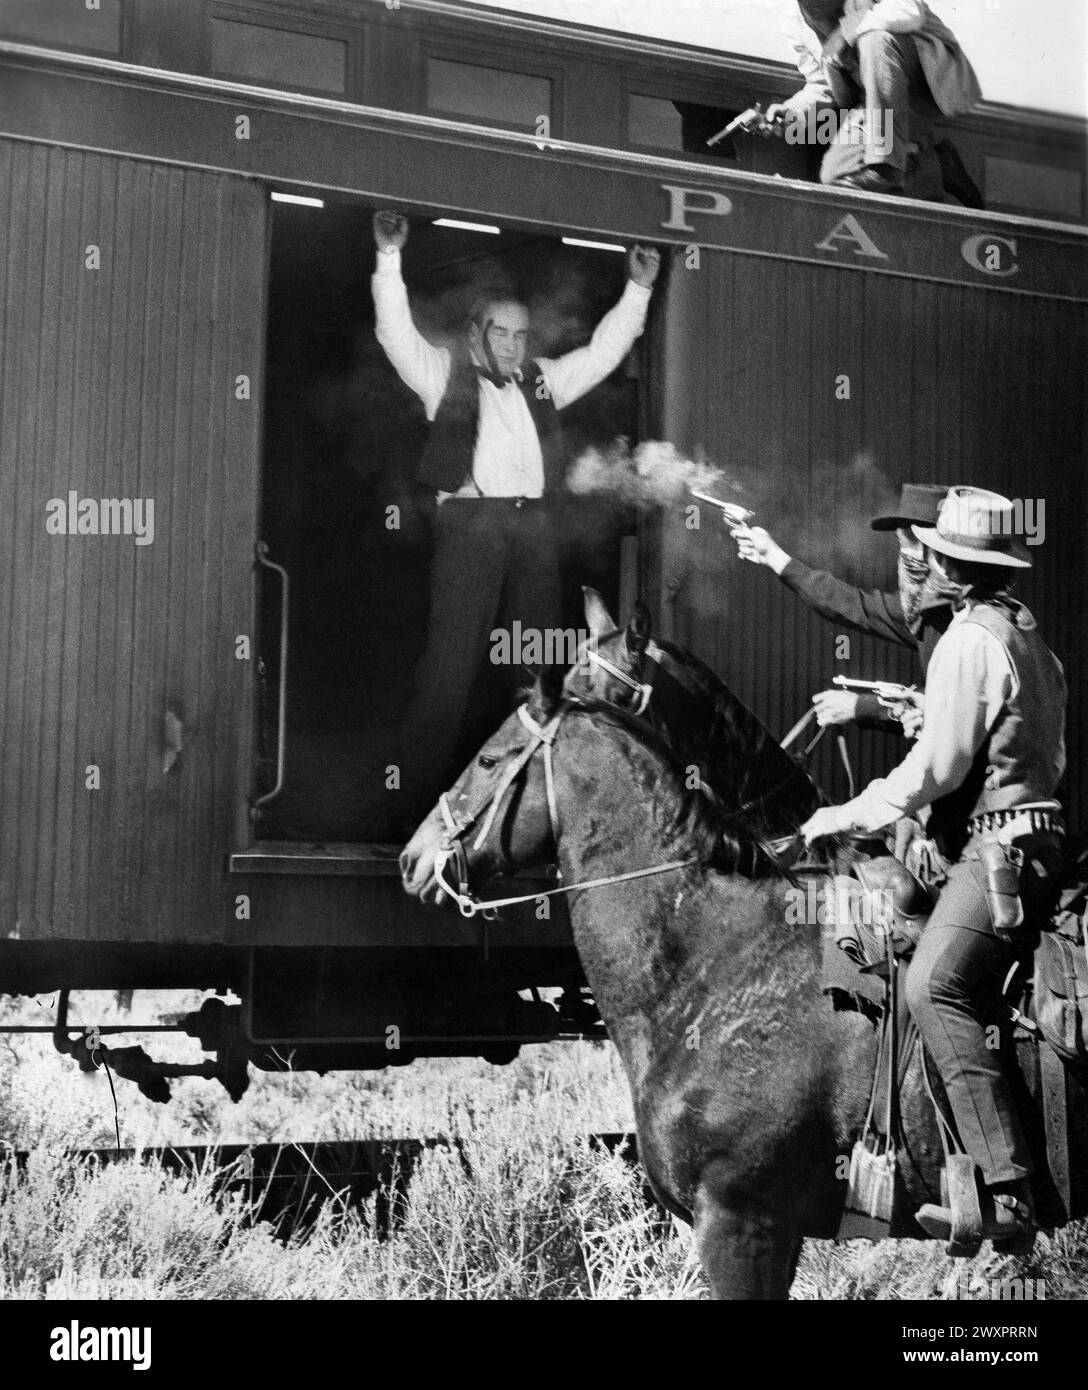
(882, 897)
(881, 908)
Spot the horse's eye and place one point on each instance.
(486, 760)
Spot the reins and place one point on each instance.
(840, 742)
(543, 736)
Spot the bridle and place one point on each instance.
(541, 739)
(643, 690)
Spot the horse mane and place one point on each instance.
(762, 750)
(747, 773)
(721, 842)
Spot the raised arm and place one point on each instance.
(572, 375)
(816, 92)
(419, 364)
(865, 610)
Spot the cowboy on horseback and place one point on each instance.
(988, 762)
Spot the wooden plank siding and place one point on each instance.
(948, 384)
(115, 383)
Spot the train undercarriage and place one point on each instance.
(289, 1009)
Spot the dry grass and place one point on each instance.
(522, 1206)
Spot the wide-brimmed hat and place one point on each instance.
(976, 525)
(919, 504)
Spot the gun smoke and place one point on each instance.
(653, 474)
(818, 512)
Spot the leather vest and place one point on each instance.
(446, 462)
(1023, 756)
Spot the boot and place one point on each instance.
(1008, 1218)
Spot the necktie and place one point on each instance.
(496, 378)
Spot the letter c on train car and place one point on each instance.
(681, 205)
(985, 252)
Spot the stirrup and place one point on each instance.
(959, 1223)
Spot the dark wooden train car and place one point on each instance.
(190, 800)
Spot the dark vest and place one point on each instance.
(446, 463)
(1019, 761)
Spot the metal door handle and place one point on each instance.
(281, 733)
(172, 739)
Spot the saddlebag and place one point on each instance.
(1061, 976)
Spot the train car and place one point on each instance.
(214, 587)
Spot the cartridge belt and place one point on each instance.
(1016, 822)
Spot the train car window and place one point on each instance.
(497, 95)
(282, 57)
(342, 443)
(61, 23)
(677, 127)
(655, 123)
(1038, 188)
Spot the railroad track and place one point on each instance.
(287, 1182)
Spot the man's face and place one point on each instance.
(507, 331)
(909, 544)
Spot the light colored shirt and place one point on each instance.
(968, 682)
(893, 16)
(508, 461)
(952, 80)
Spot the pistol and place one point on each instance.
(734, 515)
(883, 690)
(754, 120)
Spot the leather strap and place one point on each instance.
(1056, 1122)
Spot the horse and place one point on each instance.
(724, 748)
(743, 771)
(748, 1089)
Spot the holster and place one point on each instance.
(1001, 866)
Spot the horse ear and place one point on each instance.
(598, 619)
(638, 630)
(548, 690)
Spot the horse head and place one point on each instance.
(610, 667)
(724, 750)
(496, 816)
(712, 734)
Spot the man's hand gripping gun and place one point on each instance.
(887, 692)
(891, 695)
(736, 517)
(754, 121)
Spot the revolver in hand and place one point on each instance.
(754, 121)
(735, 516)
(903, 701)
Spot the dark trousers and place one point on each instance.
(494, 562)
(885, 75)
(954, 991)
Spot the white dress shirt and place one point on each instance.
(508, 460)
(968, 683)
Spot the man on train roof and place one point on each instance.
(890, 67)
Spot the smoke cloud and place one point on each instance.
(653, 474)
(819, 512)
